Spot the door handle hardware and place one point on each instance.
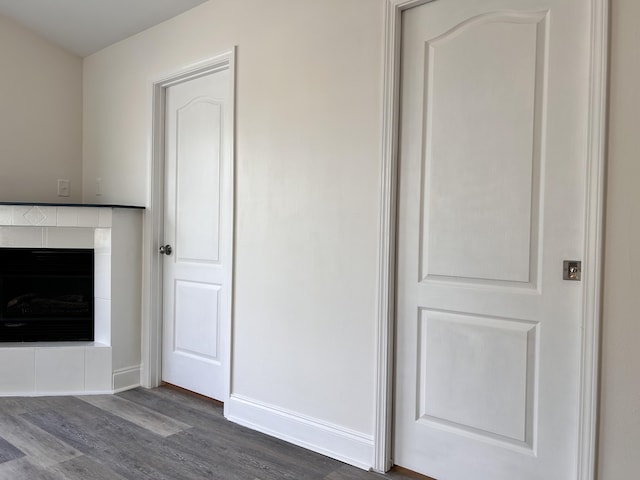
(165, 250)
(572, 270)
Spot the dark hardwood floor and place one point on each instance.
(159, 434)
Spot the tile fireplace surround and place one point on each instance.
(112, 362)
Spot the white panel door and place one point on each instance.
(197, 226)
(491, 201)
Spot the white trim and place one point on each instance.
(386, 260)
(231, 239)
(592, 278)
(594, 226)
(313, 434)
(385, 343)
(126, 378)
(153, 230)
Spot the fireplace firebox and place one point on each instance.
(46, 294)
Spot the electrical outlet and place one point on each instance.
(64, 188)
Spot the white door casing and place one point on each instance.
(474, 278)
(214, 287)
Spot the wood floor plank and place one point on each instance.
(41, 447)
(13, 405)
(142, 416)
(348, 472)
(19, 405)
(23, 469)
(155, 397)
(215, 433)
(8, 451)
(158, 434)
(84, 468)
(208, 416)
(248, 459)
(127, 449)
(184, 410)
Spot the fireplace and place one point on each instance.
(46, 294)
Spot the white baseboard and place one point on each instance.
(126, 378)
(333, 441)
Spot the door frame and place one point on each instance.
(594, 229)
(152, 301)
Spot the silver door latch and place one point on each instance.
(572, 270)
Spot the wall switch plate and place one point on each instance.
(98, 186)
(64, 188)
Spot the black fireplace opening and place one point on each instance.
(46, 294)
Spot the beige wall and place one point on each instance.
(620, 398)
(40, 117)
(308, 123)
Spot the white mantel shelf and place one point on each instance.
(112, 362)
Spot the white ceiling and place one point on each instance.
(86, 26)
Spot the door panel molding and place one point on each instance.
(592, 278)
(516, 80)
(152, 281)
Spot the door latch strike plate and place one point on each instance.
(572, 270)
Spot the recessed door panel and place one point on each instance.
(483, 78)
(477, 375)
(198, 307)
(199, 144)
